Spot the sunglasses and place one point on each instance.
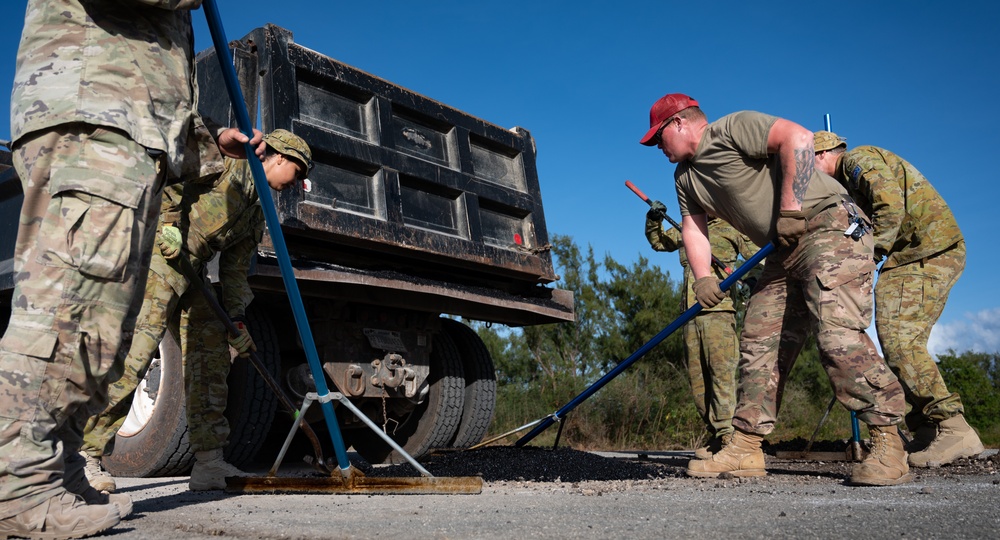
(658, 138)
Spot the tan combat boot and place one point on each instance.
(210, 471)
(75, 481)
(955, 439)
(97, 476)
(63, 516)
(741, 457)
(886, 461)
(715, 444)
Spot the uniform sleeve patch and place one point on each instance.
(855, 177)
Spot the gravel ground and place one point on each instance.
(541, 493)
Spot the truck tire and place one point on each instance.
(480, 384)
(433, 423)
(252, 404)
(153, 441)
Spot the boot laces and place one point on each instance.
(880, 443)
(93, 466)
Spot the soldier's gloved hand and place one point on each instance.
(707, 291)
(169, 242)
(242, 341)
(657, 211)
(791, 226)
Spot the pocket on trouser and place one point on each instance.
(845, 300)
(890, 295)
(91, 222)
(883, 393)
(879, 376)
(28, 352)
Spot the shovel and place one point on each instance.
(283, 398)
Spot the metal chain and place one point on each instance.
(385, 413)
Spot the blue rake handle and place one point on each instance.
(670, 329)
(274, 226)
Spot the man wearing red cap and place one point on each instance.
(758, 173)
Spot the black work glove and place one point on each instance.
(707, 291)
(657, 211)
(791, 226)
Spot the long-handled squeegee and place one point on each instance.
(351, 479)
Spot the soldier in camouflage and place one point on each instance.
(199, 220)
(757, 172)
(102, 108)
(711, 340)
(924, 252)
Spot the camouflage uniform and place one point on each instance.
(222, 217)
(822, 285)
(925, 254)
(92, 143)
(710, 338)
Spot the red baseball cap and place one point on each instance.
(664, 108)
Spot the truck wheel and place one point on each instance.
(433, 423)
(252, 404)
(153, 441)
(480, 384)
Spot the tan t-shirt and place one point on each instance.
(732, 176)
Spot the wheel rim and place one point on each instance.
(143, 406)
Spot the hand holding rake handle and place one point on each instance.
(231, 329)
(715, 260)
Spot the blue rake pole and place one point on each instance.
(274, 226)
(670, 329)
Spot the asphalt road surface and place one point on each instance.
(539, 493)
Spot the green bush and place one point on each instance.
(973, 376)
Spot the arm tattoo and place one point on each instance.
(805, 162)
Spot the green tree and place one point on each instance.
(644, 300)
(969, 374)
(567, 352)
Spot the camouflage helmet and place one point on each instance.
(291, 145)
(827, 140)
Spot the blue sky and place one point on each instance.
(918, 78)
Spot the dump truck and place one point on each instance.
(415, 218)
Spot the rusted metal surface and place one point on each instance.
(358, 484)
(394, 289)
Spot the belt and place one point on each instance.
(832, 200)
